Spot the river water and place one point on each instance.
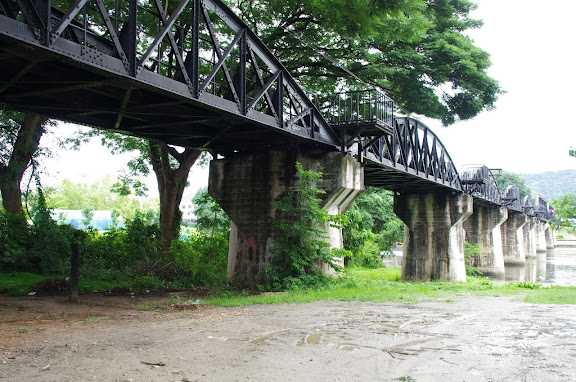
(555, 266)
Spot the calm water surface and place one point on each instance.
(556, 266)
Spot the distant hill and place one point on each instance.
(552, 183)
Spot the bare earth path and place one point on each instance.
(115, 339)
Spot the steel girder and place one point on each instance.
(478, 181)
(194, 75)
(528, 206)
(410, 157)
(542, 209)
(511, 198)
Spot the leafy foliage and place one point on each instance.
(416, 50)
(373, 228)
(565, 208)
(505, 179)
(472, 255)
(298, 231)
(209, 215)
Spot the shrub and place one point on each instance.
(297, 244)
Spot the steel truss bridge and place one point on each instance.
(196, 75)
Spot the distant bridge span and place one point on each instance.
(199, 77)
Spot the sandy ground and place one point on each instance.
(122, 339)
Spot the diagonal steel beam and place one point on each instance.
(162, 32)
(123, 108)
(66, 20)
(175, 49)
(221, 57)
(113, 34)
(62, 89)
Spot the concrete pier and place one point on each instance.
(550, 236)
(529, 231)
(540, 236)
(483, 228)
(246, 185)
(513, 238)
(433, 236)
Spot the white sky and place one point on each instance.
(532, 46)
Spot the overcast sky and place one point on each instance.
(532, 47)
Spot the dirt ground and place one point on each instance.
(104, 338)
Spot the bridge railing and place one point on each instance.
(361, 108)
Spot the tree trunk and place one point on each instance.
(26, 145)
(171, 183)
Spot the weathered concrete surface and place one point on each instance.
(529, 231)
(483, 228)
(433, 236)
(550, 236)
(513, 238)
(540, 237)
(246, 185)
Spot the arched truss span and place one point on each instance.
(409, 147)
(478, 181)
(511, 199)
(542, 209)
(528, 206)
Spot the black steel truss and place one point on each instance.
(194, 75)
(542, 210)
(511, 199)
(412, 149)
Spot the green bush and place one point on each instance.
(297, 244)
(14, 239)
(201, 259)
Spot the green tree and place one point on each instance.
(505, 179)
(209, 215)
(416, 50)
(171, 166)
(565, 207)
(19, 146)
(373, 227)
(91, 197)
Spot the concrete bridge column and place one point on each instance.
(513, 239)
(483, 228)
(247, 184)
(540, 237)
(434, 236)
(550, 236)
(529, 231)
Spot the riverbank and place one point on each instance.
(115, 339)
(566, 243)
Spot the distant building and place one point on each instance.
(101, 220)
(188, 212)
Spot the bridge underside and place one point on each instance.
(91, 92)
(377, 175)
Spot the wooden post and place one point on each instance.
(74, 266)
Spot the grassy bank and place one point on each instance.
(379, 285)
